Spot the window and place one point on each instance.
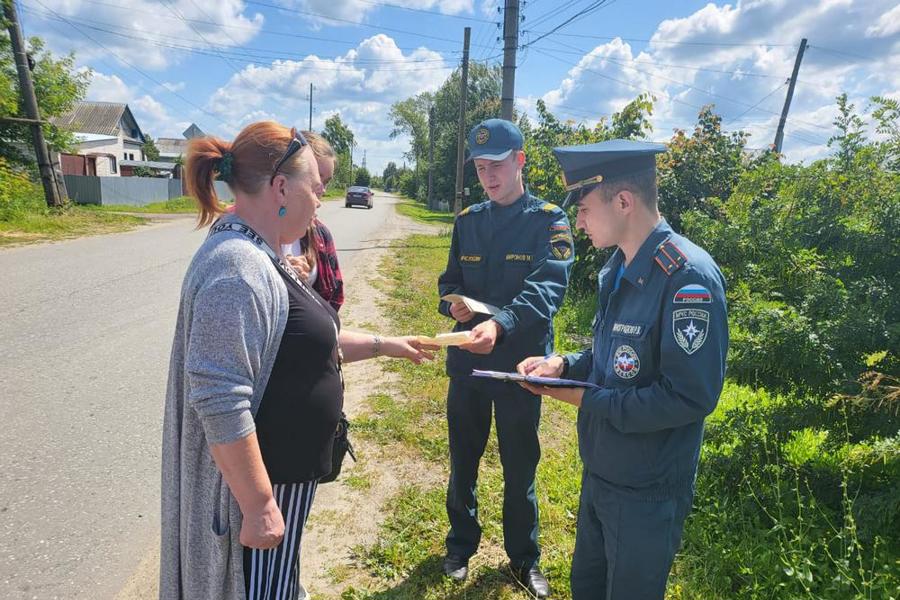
(112, 164)
(131, 156)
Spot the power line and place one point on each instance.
(349, 21)
(141, 71)
(581, 52)
(599, 4)
(248, 57)
(677, 43)
(262, 30)
(424, 10)
(178, 14)
(633, 86)
(763, 99)
(713, 95)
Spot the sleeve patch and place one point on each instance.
(561, 245)
(690, 327)
(692, 294)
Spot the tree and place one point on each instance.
(362, 177)
(389, 177)
(151, 152)
(57, 85)
(851, 137)
(338, 135)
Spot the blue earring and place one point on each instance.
(282, 211)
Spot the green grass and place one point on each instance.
(419, 212)
(334, 193)
(405, 561)
(181, 204)
(42, 224)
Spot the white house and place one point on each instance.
(106, 134)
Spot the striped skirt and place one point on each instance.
(274, 574)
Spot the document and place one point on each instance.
(472, 304)
(446, 339)
(548, 381)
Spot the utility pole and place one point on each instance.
(779, 135)
(461, 139)
(352, 143)
(431, 157)
(310, 106)
(364, 160)
(26, 88)
(510, 45)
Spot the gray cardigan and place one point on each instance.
(233, 312)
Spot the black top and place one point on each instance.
(301, 407)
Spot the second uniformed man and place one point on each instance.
(660, 338)
(513, 251)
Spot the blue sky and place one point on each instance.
(227, 63)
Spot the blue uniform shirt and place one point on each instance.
(517, 257)
(658, 353)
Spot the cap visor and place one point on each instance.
(500, 156)
(571, 198)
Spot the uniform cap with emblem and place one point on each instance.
(494, 139)
(586, 166)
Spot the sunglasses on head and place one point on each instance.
(297, 142)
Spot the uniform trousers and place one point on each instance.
(625, 545)
(274, 574)
(470, 403)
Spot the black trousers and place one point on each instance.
(517, 412)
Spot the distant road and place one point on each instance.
(86, 328)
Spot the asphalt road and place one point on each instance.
(85, 333)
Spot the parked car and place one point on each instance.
(358, 195)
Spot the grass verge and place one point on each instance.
(419, 212)
(47, 224)
(404, 563)
(181, 204)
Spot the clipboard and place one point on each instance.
(545, 381)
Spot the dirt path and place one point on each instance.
(344, 516)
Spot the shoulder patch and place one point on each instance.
(669, 257)
(549, 207)
(471, 209)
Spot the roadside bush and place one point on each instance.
(18, 193)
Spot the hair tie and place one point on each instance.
(225, 166)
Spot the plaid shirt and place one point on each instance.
(329, 282)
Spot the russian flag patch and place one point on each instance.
(692, 294)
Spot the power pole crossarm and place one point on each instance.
(779, 135)
(461, 137)
(26, 89)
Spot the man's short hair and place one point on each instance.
(642, 184)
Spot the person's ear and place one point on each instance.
(625, 201)
(520, 158)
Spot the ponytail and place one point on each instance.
(207, 158)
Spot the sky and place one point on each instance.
(226, 63)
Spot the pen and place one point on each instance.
(542, 361)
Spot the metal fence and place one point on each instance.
(133, 191)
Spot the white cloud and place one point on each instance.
(347, 12)
(739, 54)
(152, 116)
(361, 85)
(152, 33)
(888, 24)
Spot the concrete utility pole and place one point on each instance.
(510, 45)
(26, 88)
(431, 158)
(310, 106)
(461, 139)
(779, 135)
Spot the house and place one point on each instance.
(170, 149)
(106, 133)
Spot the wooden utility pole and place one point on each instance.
(431, 158)
(510, 45)
(29, 101)
(461, 139)
(779, 135)
(310, 106)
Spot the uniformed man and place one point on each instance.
(660, 337)
(515, 252)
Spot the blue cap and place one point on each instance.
(590, 164)
(494, 139)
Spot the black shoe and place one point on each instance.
(533, 580)
(456, 567)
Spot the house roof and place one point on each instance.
(97, 117)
